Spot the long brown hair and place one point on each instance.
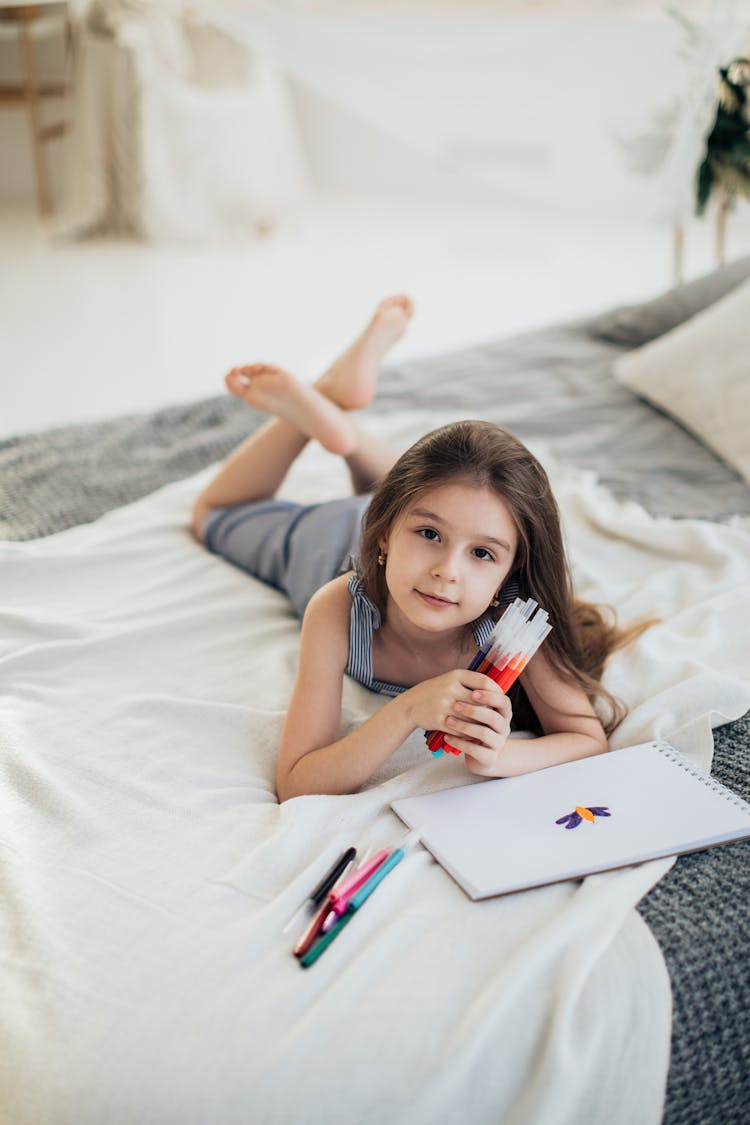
(485, 455)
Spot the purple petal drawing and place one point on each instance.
(572, 820)
(581, 813)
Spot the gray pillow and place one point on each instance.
(633, 325)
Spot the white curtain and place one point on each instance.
(599, 105)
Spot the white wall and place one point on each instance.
(349, 154)
(345, 154)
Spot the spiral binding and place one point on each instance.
(699, 774)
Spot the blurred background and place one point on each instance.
(185, 187)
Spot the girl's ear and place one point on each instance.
(382, 550)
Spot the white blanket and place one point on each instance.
(148, 871)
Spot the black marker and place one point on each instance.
(316, 897)
(333, 876)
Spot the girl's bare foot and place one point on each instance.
(351, 379)
(276, 391)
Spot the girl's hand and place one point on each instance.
(480, 728)
(470, 709)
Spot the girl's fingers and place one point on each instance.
(482, 755)
(478, 733)
(484, 750)
(495, 699)
(484, 716)
(473, 729)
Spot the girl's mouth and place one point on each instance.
(435, 600)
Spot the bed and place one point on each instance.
(148, 872)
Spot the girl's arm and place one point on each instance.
(312, 758)
(571, 727)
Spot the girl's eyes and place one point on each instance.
(433, 536)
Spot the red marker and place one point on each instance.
(511, 645)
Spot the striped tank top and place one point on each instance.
(365, 619)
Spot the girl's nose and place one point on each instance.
(446, 566)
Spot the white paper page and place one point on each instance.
(498, 836)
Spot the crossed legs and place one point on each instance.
(322, 412)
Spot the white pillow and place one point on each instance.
(700, 374)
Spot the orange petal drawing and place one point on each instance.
(586, 814)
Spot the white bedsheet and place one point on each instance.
(147, 870)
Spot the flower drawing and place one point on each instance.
(580, 813)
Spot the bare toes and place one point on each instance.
(400, 301)
(236, 381)
(240, 378)
(250, 370)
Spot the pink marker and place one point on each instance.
(338, 900)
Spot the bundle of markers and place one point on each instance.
(505, 653)
(337, 898)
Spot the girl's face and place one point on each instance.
(448, 554)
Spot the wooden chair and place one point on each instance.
(25, 24)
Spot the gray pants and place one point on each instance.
(296, 548)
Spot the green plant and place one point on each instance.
(725, 166)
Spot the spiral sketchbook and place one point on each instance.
(613, 810)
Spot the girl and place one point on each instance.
(455, 529)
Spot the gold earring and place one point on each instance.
(496, 600)
(381, 558)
